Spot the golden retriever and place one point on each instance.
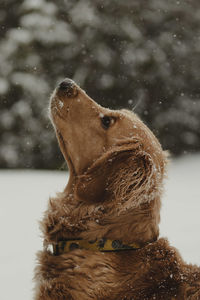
(101, 235)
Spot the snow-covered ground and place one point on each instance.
(24, 196)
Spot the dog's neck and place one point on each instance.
(70, 218)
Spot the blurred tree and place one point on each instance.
(123, 53)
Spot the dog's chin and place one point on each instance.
(63, 148)
(57, 108)
(62, 143)
(56, 111)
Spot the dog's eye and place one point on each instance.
(106, 121)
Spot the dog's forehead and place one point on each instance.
(129, 114)
(121, 113)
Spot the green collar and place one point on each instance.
(103, 245)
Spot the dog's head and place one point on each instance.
(111, 154)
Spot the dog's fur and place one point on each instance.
(114, 190)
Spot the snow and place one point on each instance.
(60, 103)
(24, 196)
(180, 220)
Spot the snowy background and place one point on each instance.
(131, 54)
(123, 53)
(24, 199)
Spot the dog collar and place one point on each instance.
(103, 245)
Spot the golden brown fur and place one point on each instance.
(113, 192)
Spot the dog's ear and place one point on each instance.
(128, 174)
(138, 180)
(92, 185)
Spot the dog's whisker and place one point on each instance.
(136, 105)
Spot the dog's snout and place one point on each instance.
(68, 87)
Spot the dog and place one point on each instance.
(101, 234)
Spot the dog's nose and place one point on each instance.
(68, 87)
(66, 84)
